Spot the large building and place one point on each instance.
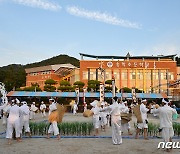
(151, 74)
(147, 73)
(56, 72)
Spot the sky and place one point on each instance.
(34, 30)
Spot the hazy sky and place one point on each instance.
(33, 30)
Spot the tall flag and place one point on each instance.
(113, 88)
(101, 92)
(77, 95)
(133, 94)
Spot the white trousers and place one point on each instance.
(96, 122)
(43, 113)
(10, 126)
(167, 133)
(32, 115)
(116, 132)
(25, 124)
(53, 128)
(103, 121)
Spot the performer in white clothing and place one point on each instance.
(33, 110)
(165, 116)
(96, 114)
(144, 124)
(116, 110)
(75, 108)
(43, 109)
(53, 118)
(103, 117)
(5, 113)
(13, 122)
(24, 118)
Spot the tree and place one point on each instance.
(108, 87)
(93, 85)
(49, 88)
(79, 84)
(49, 85)
(65, 86)
(126, 90)
(50, 82)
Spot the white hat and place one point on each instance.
(103, 103)
(94, 103)
(34, 103)
(17, 101)
(163, 100)
(125, 102)
(144, 100)
(51, 99)
(24, 102)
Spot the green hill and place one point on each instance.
(14, 75)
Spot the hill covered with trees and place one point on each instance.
(14, 76)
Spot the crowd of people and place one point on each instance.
(102, 112)
(16, 116)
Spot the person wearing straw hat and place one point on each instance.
(24, 118)
(165, 116)
(13, 122)
(144, 124)
(53, 119)
(43, 109)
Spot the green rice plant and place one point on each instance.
(150, 128)
(73, 128)
(89, 128)
(84, 128)
(66, 128)
(41, 128)
(176, 127)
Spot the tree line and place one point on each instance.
(14, 75)
(65, 86)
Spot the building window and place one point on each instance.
(92, 74)
(33, 74)
(45, 72)
(108, 74)
(132, 75)
(163, 76)
(124, 74)
(148, 75)
(140, 74)
(116, 74)
(170, 76)
(85, 75)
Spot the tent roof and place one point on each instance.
(87, 94)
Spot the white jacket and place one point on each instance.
(165, 116)
(143, 111)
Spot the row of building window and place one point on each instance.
(41, 73)
(163, 75)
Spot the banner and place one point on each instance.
(113, 88)
(77, 95)
(102, 92)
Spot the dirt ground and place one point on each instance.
(83, 145)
